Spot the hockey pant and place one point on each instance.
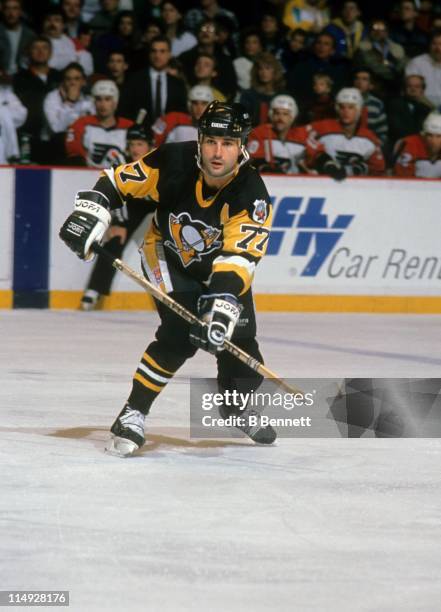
(172, 347)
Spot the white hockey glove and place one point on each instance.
(87, 224)
(220, 312)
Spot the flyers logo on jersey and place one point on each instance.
(191, 238)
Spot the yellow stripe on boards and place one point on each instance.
(264, 302)
(6, 299)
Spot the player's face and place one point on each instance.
(433, 142)
(219, 155)
(197, 108)
(137, 149)
(105, 106)
(348, 113)
(281, 119)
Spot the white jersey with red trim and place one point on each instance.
(413, 159)
(272, 154)
(99, 146)
(328, 136)
(174, 127)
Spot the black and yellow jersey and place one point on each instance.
(216, 238)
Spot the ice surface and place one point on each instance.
(328, 524)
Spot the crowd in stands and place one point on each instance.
(341, 88)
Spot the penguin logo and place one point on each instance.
(191, 239)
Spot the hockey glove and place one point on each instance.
(328, 166)
(220, 312)
(87, 224)
(356, 167)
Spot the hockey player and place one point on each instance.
(99, 140)
(278, 146)
(420, 154)
(210, 229)
(123, 226)
(179, 127)
(343, 147)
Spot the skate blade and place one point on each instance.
(120, 447)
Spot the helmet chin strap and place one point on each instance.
(245, 158)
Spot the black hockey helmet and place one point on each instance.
(220, 119)
(139, 132)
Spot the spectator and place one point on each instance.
(181, 40)
(343, 147)
(278, 147)
(124, 36)
(89, 9)
(209, 11)
(406, 113)
(104, 19)
(384, 58)
(15, 37)
(67, 103)
(321, 60)
(139, 144)
(82, 45)
(207, 44)
(117, 67)
(419, 155)
(310, 15)
(99, 140)
(147, 11)
(347, 29)
(406, 32)
(139, 57)
(153, 88)
(293, 49)
(72, 16)
(271, 31)
(251, 48)
(266, 81)
(63, 49)
(376, 114)
(227, 37)
(179, 127)
(321, 105)
(428, 65)
(205, 73)
(32, 85)
(12, 115)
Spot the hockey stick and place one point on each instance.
(190, 317)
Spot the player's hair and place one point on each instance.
(267, 59)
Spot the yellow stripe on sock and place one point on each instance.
(153, 363)
(147, 383)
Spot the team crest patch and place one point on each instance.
(252, 146)
(260, 212)
(191, 238)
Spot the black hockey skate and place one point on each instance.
(128, 433)
(251, 426)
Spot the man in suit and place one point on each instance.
(15, 37)
(153, 88)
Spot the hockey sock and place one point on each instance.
(149, 380)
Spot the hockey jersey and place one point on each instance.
(413, 159)
(271, 154)
(174, 127)
(215, 238)
(328, 136)
(99, 146)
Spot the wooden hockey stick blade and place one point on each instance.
(188, 316)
